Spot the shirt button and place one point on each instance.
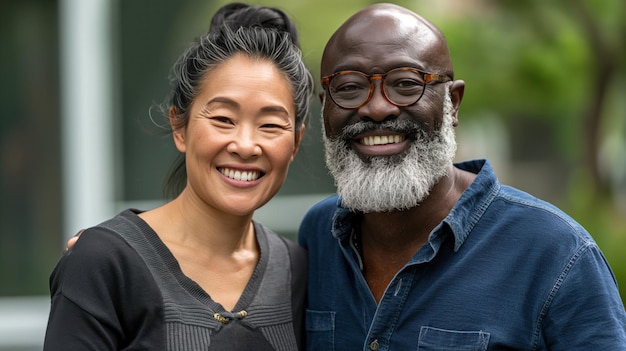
(374, 345)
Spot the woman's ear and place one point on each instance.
(178, 130)
(299, 136)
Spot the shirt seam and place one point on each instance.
(556, 288)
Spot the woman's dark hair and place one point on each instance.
(237, 28)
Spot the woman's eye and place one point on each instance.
(271, 126)
(225, 120)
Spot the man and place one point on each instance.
(418, 253)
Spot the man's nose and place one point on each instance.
(378, 108)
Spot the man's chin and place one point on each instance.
(385, 159)
(386, 209)
(372, 202)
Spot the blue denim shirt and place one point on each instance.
(503, 271)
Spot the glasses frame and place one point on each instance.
(428, 78)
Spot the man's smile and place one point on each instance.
(382, 139)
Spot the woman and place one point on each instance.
(198, 273)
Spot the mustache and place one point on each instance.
(406, 127)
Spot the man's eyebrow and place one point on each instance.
(398, 64)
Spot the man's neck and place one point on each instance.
(397, 229)
(390, 239)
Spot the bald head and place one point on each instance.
(382, 34)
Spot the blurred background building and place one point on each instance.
(80, 137)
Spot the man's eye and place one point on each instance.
(406, 83)
(350, 91)
(407, 87)
(349, 87)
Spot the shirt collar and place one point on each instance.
(474, 201)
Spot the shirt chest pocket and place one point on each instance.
(320, 329)
(435, 339)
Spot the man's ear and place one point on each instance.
(457, 89)
(299, 136)
(178, 130)
(321, 96)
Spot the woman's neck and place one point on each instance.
(188, 222)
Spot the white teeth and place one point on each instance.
(382, 140)
(246, 176)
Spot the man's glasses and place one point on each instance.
(401, 86)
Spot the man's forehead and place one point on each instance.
(388, 37)
(361, 24)
(382, 45)
(360, 58)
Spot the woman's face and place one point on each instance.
(241, 136)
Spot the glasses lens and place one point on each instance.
(403, 87)
(349, 90)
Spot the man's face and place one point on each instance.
(385, 157)
(393, 182)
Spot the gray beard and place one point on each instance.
(389, 183)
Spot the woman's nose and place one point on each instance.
(245, 144)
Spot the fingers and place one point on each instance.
(71, 241)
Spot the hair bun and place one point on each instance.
(237, 15)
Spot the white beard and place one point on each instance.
(388, 183)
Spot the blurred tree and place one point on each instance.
(600, 28)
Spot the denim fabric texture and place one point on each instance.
(503, 271)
